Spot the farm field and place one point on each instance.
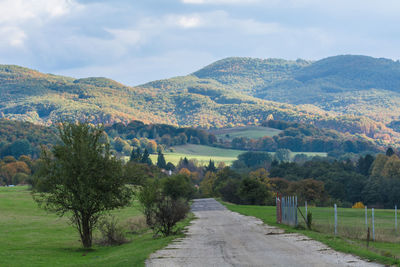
(203, 154)
(248, 131)
(31, 237)
(351, 229)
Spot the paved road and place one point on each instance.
(219, 237)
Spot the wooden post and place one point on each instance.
(366, 217)
(368, 237)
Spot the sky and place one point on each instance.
(137, 41)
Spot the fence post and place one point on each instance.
(373, 225)
(291, 210)
(283, 209)
(366, 217)
(395, 218)
(293, 222)
(295, 212)
(335, 219)
(305, 204)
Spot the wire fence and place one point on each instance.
(351, 223)
(354, 223)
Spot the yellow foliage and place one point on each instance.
(358, 205)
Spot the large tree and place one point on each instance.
(81, 179)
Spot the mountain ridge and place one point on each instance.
(228, 92)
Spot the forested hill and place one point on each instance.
(229, 92)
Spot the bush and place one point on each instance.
(136, 224)
(148, 196)
(163, 209)
(229, 191)
(111, 232)
(178, 186)
(358, 205)
(169, 211)
(253, 192)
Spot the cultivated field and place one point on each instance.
(252, 132)
(31, 237)
(351, 229)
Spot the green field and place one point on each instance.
(31, 237)
(351, 230)
(252, 132)
(203, 154)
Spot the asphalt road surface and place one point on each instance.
(219, 237)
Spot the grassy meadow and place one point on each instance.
(351, 230)
(31, 237)
(203, 154)
(252, 132)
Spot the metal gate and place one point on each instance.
(286, 210)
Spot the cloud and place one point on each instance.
(219, 2)
(12, 36)
(138, 41)
(16, 16)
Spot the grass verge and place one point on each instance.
(31, 237)
(382, 252)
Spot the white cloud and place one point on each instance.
(18, 11)
(128, 37)
(17, 15)
(189, 21)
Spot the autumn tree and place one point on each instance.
(81, 178)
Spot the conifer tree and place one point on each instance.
(161, 161)
(136, 155)
(146, 158)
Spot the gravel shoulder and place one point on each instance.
(219, 237)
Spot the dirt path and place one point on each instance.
(219, 237)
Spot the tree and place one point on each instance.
(283, 155)
(211, 167)
(389, 152)
(82, 179)
(146, 158)
(119, 144)
(206, 186)
(178, 186)
(151, 146)
(253, 192)
(161, 161)
(20, 147)
(136, 155)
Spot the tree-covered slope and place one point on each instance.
(356, 85)
(332, 93)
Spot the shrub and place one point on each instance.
(148, 196)
(169, 211)
(178, 186)
(358, 205)
(229, 191)
(136, 224)
(111, 233)
(253, 192)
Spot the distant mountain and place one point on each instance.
(354, 94)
